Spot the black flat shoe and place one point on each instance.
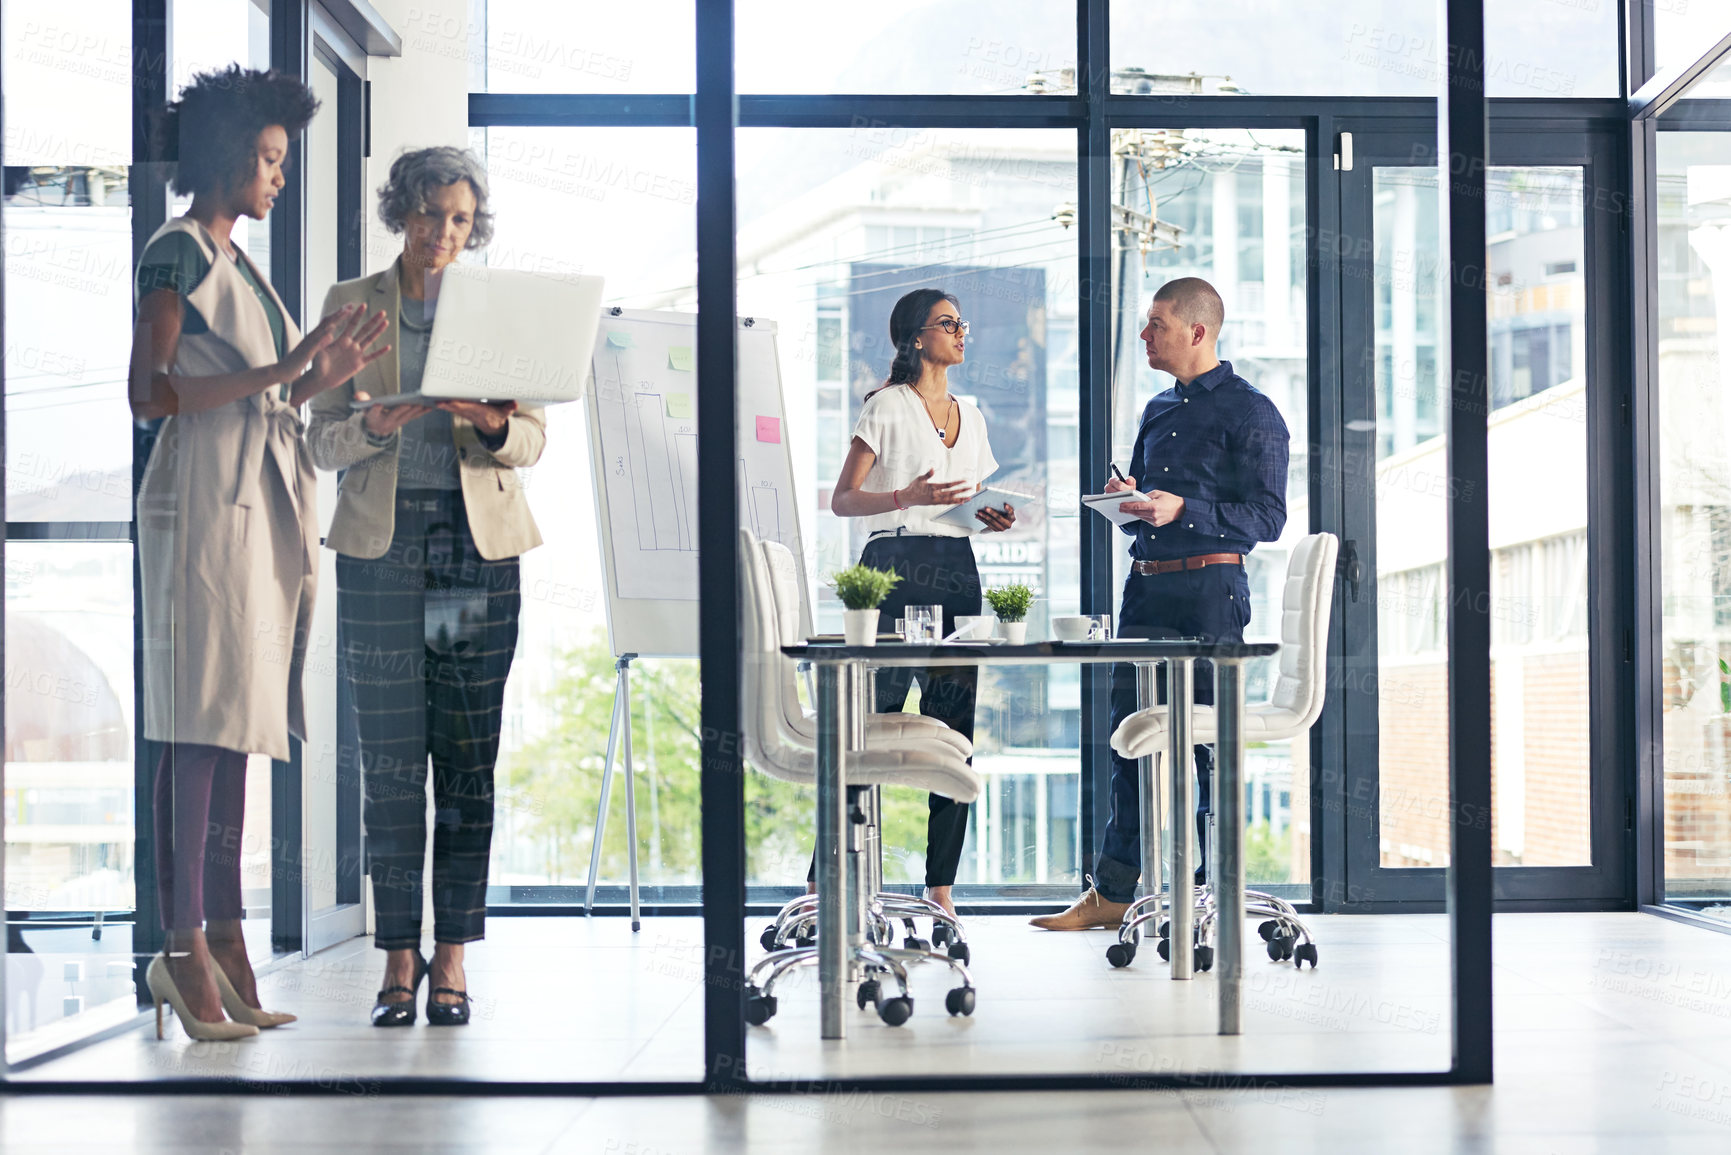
(399, 1014)
(448, 1014)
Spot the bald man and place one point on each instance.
(1211, 456)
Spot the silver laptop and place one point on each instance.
(508, 335)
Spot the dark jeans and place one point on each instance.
(199, 799)
(427, 634)
(1212, 603)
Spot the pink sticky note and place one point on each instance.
(769, 429)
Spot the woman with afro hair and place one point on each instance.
(227, 523)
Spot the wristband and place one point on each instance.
(895, 497)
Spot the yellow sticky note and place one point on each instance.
(679, 405)
(679, 357)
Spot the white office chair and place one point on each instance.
(776, 747)
(797, 920)
(1291, 708)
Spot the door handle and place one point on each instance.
(1349, 567)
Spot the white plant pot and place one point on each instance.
(1013, 633)
(860, 627)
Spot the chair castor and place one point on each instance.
(759, 1009)
(896, 1011)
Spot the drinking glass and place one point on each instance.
(1099, 627)
(922, 623)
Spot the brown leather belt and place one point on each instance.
(1145, 568)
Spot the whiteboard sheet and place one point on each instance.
(643, 432)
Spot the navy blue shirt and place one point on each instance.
(1222, 446)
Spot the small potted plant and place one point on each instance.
(1011, 604)
(861, 589)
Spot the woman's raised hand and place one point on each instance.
(346, 349)
(922, 490)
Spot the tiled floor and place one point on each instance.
(1610, 1038)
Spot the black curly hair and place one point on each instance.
(212, 130)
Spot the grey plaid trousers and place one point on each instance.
(426, 635)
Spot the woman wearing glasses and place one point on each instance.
(916, 451)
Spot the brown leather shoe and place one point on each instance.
(1090, 912)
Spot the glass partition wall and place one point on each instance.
(1682, 158)
(756, 209)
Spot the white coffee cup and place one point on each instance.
(1071, 627)
(969, 628)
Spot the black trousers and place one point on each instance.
(1212, 603)
(934, 571)
(427, 633)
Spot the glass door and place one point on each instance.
(330, 871)
(1558, 817)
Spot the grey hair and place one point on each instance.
(414, 176)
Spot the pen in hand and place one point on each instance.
(1116, 474)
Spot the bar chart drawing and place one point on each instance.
(661, 454)
(761, 505)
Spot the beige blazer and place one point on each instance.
(227, 538)
(499, 518)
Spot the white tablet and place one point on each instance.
(991, 495)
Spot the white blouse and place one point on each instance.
(895, 426)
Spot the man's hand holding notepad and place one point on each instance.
(1106, 504)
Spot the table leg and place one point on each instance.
(1183, 909)
(1228, 867)
(1149, 816)
(832, 921)
(858, 875)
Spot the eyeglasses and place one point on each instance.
(949, 325)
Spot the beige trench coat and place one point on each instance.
(227, 538)
(365, 518)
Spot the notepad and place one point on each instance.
(1106, 504)
(679, 405)
(679, 357)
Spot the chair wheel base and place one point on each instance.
(1122, 954)
(960, 1001)
(867, 994)
(1304, 954)
(960, 952)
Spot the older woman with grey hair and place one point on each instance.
(430, 521)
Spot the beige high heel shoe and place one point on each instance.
(162, 989)
(237, 1008)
